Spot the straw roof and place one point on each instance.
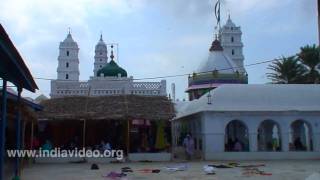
(108, 108)
(27, 113)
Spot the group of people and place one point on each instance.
(235, 145)
(105, 146)
(298, 146)
(36, 144)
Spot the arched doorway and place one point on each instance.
(301, 136)
(269, 138)
(236, 136)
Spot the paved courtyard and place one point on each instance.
(280, 170)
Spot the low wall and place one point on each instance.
(262, 155)
(156, 157)
(58, 159)
(149, 157)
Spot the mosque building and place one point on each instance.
(108, 77)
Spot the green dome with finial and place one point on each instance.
(112, 69)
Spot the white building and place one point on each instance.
(108, 77)
(231, 120)
(270, 122)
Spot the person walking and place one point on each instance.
(188, 145)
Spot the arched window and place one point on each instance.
(68, 53)
(67, 76)
(236, 136)
(232, 39)
(301, 136)
(67, 65)
(232, 51)
(269, 138)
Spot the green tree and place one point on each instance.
(310, 57)
(287, 71)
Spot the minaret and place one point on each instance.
(68, 60)
(230, 36)
(101, 56)
(173, 91)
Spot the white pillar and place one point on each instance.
(316, 141)
(253, 139)
(285, 141)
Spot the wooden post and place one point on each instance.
(128, 137)
(18, 132)
(31, 136)
(84, 134)
(22, 147)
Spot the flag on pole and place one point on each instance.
(217, 12)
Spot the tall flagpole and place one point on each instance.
(217, 13)
(217, 8)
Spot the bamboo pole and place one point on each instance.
(319, 22)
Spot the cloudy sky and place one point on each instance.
(156, 37)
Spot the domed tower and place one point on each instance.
(101, 56)
(112, 69)
(230, 36)
(224, 64)
(68, 60)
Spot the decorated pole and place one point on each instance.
(18, 132)
(3, 127)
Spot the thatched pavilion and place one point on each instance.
(12, 70)
(123, 120)
(28, 111)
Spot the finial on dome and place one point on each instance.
(229, 14)
(69, 33)
(112, 56)
(101, 36)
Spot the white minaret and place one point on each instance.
(101, 56)
(68, 60)
(231, 42)
(173, 91)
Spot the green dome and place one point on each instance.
(112, 69)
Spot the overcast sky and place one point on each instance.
(156, 37)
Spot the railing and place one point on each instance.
(147, 85)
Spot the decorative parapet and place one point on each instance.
(147, 85)
(69, 88)
(216, 77)
(103, 86)
(149, 88)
